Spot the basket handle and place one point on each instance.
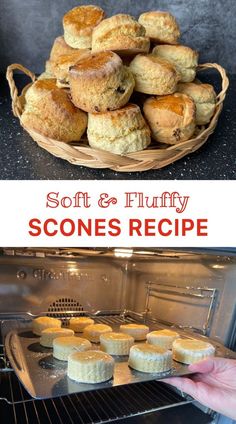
(16, 104)
(225, 79)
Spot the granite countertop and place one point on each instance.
(21, 158)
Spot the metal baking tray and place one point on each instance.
(46, 377)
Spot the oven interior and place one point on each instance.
(193, 291)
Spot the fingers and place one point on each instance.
(205, 366)
(212, 365)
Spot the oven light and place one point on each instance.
(217, 266)
(123, 253)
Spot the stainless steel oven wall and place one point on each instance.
(36, 285)
(177, 292)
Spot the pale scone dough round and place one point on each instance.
(78, 24)
(116, 343)
(90, 367)
(100, 82)
(154, 75)
(183, 58)
(163, 338)
(161, 27)
(137, 331)
(94, 331)
(189, 351)
(48, 335)
(120, 131)
(41, 323)
(78, 324)
(204, 97)
(172, 118)
(64, 346)
(120, 33)
(148, 358)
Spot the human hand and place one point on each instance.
(214, 385)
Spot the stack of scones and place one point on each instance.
(126, 82)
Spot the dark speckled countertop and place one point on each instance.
(21, 158)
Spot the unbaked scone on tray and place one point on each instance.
(90, 367)
(148, 358)
(64, 346)
(41, 323)
(116, 343)
(78, 324)
(189, 351)
(48, 335)
(163, 338)
(137, 331)
(94, 331)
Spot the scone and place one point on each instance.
(78, 324)
(148, 358)
(122, 34)
(79, 23)
(90, 367)
(60, 67)
(137, 331)
(64, 346)
(41, 323)
(94, 331)
(161, 27)
(172, 119)
(116, 343)
(204, 97)
(60, 48)
(154, 75)
(50, 112)
(48, 335)
(121, 131)
(162, 338)
(100, 82)
(190, 351)
(183, 58)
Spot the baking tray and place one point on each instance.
(46, 377)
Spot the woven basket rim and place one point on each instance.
(151, 158)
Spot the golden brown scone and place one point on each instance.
(204, 97)
(122, 34)
(183, 58)
(100, 82)
(121, 131)
(49, 111)
(79, 23)
(154, 75)
(60, 48)
(60, 67)
(161, 27)
(172, 118)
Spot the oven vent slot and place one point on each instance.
(65, 306)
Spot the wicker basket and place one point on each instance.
(155, 157)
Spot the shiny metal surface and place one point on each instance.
(45, 377)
